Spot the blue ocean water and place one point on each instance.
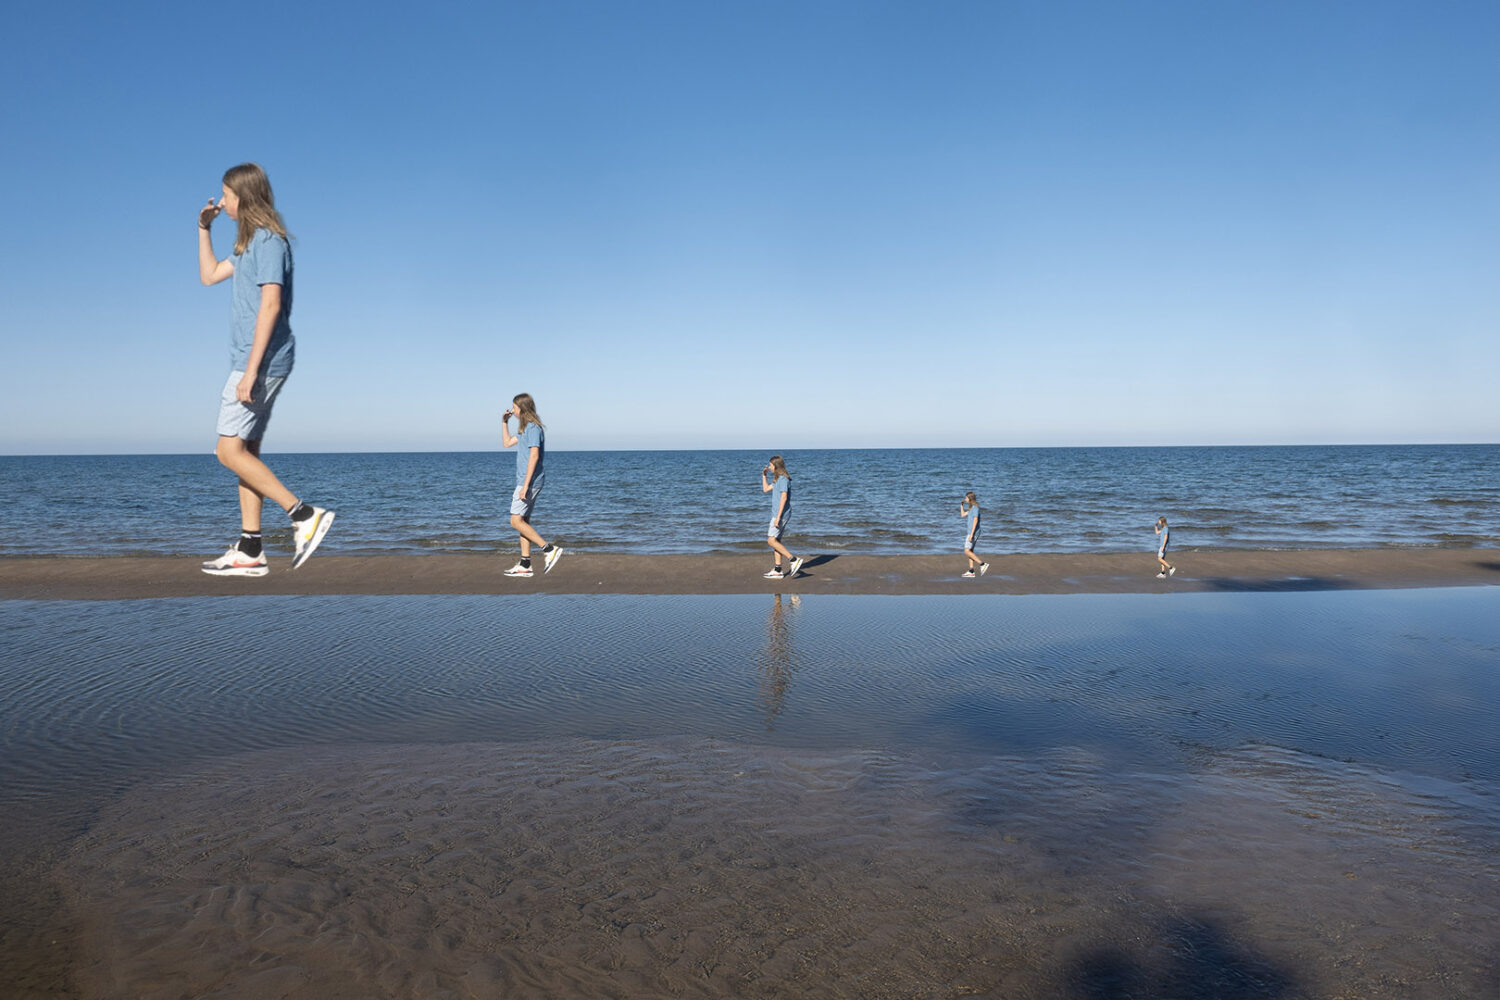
(878, 501)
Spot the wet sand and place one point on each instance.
(120, 578)
(702, 869)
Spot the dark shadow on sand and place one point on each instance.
(1290, 584)
(1493, 567)
(1203, 962)
(810, 562)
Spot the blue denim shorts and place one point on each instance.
(524, 505)
(247, 421)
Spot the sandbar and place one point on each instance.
(126, 578)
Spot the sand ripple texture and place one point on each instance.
(700, 869)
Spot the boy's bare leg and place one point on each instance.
(780, 550)
(528, 535)
(257, 481)
(252, 501)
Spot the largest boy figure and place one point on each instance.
(261, 354)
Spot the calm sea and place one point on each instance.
(874, 501)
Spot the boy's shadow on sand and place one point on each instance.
(1493, 567)
(812, 561)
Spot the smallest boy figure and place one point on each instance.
(1167, 569)
(969, 507)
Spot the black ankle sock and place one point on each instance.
(301, 512)
(546, 549)
(249, 543)
(526, 561)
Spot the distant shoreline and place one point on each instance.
(127, 578)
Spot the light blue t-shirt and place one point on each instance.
(974, 521)
(782, 485)
(266, 261)
(531, 437)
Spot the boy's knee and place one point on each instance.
(229, 448)
(516, 520)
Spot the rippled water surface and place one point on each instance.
(1400, 679)
(754, 796)
(877, 501)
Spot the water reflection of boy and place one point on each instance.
(776, 663)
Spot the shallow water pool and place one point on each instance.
(1227, 795)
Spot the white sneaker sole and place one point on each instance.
(238, 571)
(552, 560)
(325, 521)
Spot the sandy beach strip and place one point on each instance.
(124, 578)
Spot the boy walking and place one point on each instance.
(969, 507)
(1167, 569)
(261, 350)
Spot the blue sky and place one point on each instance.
(765, 225)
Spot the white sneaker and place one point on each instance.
(984, 568)
(519, 570)
(308, 532)
(236, 563)
(796, 566)
(775, 574)
(552, 558)
(1161, 576)
(1172, 571)
(968, 574)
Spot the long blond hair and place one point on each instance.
(779, 467)
(528, 411)
(257, 204)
